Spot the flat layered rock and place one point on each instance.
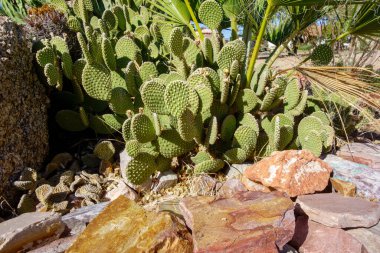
(77, 220)
(247, 222)
(125, 227)
(295, 172)
(28, 230)
(364, 153)
(312, 237)
(366, 180)
(334, 210)
(369, 237)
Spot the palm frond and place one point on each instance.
(351, 84)
(315, 2)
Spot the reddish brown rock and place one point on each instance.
(248, 222)
(125, 227)
(334, 210)
(295, 172)
(231, 187)
(311, 237)
(364, 153)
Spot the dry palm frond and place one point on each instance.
(353, 85)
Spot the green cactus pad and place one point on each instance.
(322, 55)
(235, 156)
(174, 76)
(300, 108)
(212, 76)
(176, 42)
(170, 144)
(192, 53)
(234, 69)
(126, 50)
(312, 142)
(148, 71)
(104, 150)
(240, 48)
(200, 157)
(119, 14)
(152, 94)
(205, 97)
(142, 128)
(309, 124)
(53, 75)
(246, 100)
(70, 121)
(120, 101)
(208, 50)
(106, 123)
(245, 137)
(248, 119)
(110, 19)
(74, 24)
(131, 74)
(260, 79)
(322, 116)
(211, 14)
(226, 56)
(212, 132)
(292, 94)
(196, 79)
(108, 54)
(210, 166)
(176, 98)
(235, 91)
(126, 130)
(163, 164)
(269, 99)
(96, 81)
(45, 56)
(140, 169)
(228, 128)
(186, 127)
(133, 148)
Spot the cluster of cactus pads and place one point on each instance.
(171, 95)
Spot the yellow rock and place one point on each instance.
(345, 188)
(126, 227)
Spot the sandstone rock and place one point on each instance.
(366, 180)
(292, 171)
(237, 170)
(248, 222)
(344, 188)
(364, 153)
(333, 210)
(26, 230)
(311, 237)
(121, 189)
(166, 180)
(57, 246)
(252, 186)
(125, 227)
(77, 220)
(231, 187)
(369, 237)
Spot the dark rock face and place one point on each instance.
(23, 103)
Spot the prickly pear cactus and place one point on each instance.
(169, 94)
